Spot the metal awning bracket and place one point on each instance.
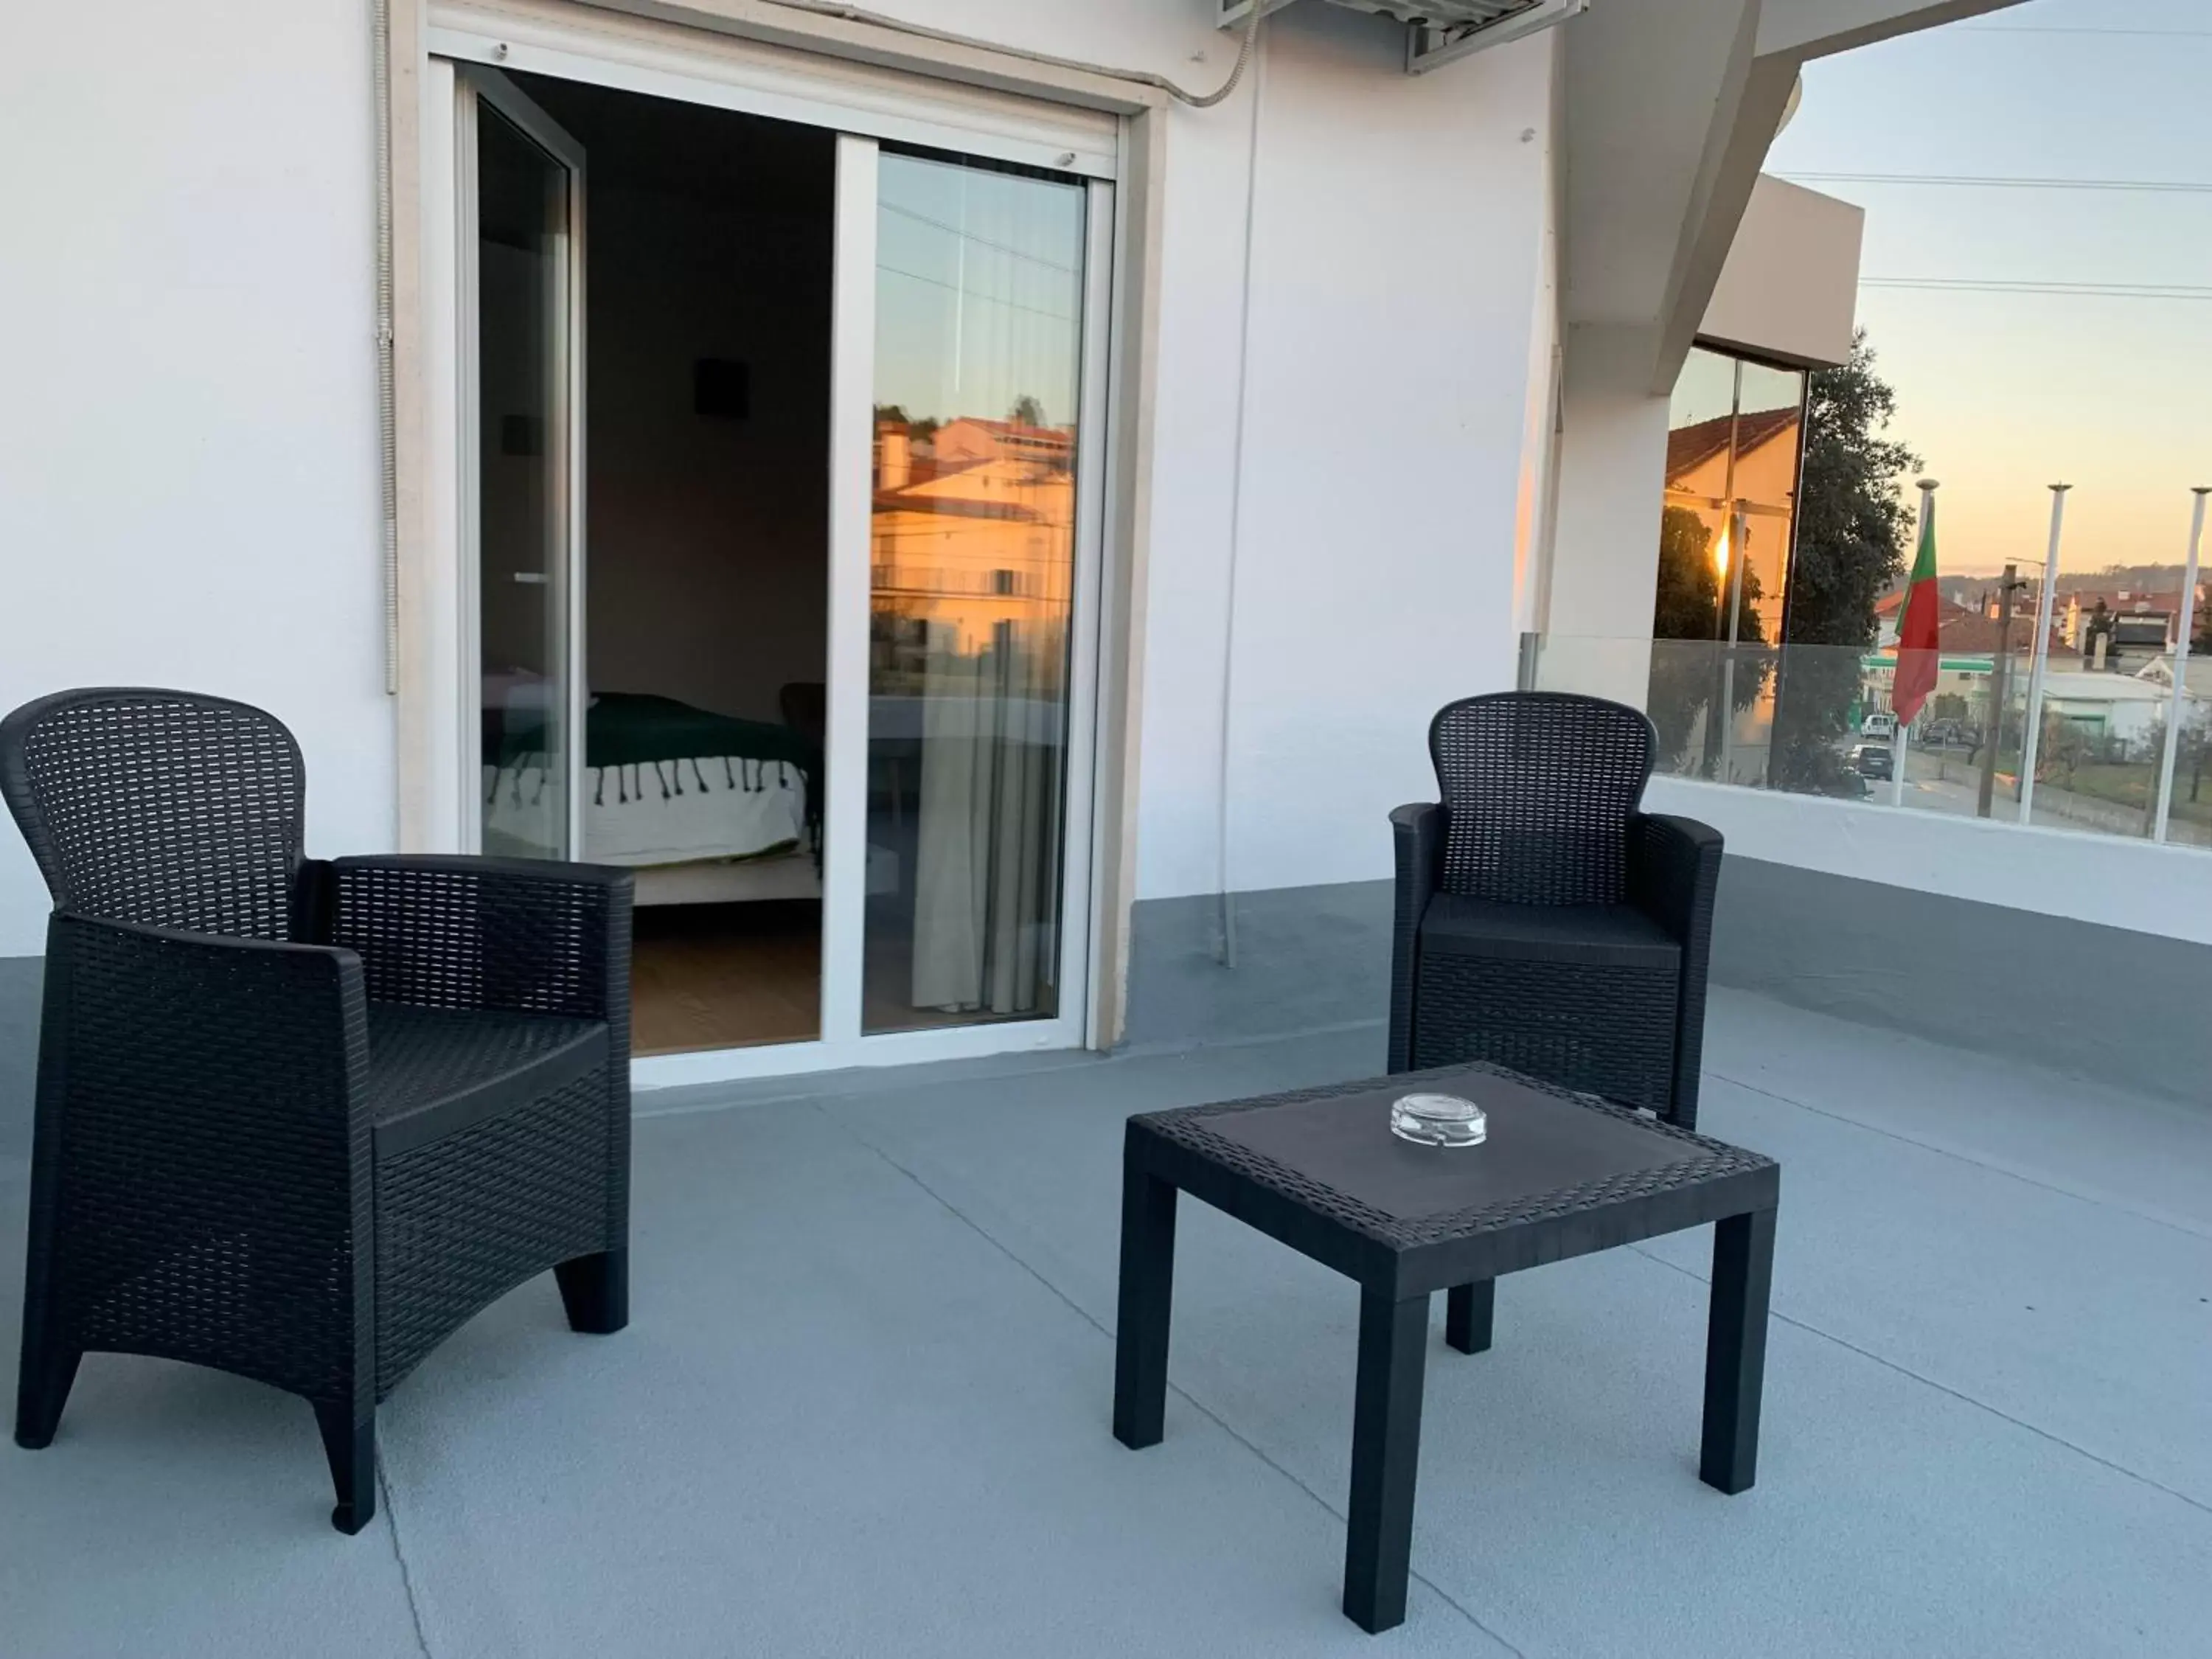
(1437, 31)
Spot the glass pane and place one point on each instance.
(2099, 754)
(1769, 433)
(522, 253)
(1693, 539)
(978, 358)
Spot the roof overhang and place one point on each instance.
(1669, 111)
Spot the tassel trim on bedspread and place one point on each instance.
(660, 780)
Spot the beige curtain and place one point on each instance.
(987, 866)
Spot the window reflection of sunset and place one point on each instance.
(979, 340)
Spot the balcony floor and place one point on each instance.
(862, 1407)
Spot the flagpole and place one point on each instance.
(1900, 745)
(2180, 662)
(2032, 739)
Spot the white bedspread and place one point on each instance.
(717, 806)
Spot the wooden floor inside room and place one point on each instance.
(707, 976)
(726, 975)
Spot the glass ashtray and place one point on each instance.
(1439, 1121)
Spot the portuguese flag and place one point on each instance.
(1918, 641)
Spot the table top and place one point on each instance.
(1559, 1174)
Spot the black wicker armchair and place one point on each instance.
(1543, 923)
(298, 1121)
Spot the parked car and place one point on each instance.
(1942, 734)
(1878, 724)
(1873, 760)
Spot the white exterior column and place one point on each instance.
(1605, 548)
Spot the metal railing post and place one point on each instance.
(2180, 665)
(2031, 741)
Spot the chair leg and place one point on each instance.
(1468, 1310)
(351, 1448)
(42, 1390)
(595, 1289)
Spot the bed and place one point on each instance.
(706, 808)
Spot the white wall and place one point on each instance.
(187, 441)
(1604, 566)
(1397, 256)
(2102, 878)
(187, 437)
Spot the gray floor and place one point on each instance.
(862, 1408)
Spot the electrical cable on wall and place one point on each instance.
(387, 398)
(1227, 899)
(1142, 77)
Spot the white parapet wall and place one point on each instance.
(2112, 881)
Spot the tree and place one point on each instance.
(1027, 411)
(1853, 528)
(1692, 589)
(1853, 524)
(2098, 626)
(2060, 751)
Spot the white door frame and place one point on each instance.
(447, 238)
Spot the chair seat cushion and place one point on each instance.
(435, 1071)
(1594, 935)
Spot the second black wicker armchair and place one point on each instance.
(300, 1121)
(1544, 922)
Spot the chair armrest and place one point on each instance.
(453, 932)
(1418, 834)
(238, 1064)
(203, 1100)
(1674, 871)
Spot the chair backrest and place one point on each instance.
(806, 705)
(159, 807)
(1537, 790)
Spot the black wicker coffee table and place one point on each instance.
(1561, 1175)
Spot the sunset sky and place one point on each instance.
(2006, 392)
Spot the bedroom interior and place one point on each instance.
(706, 472)
(707, 311)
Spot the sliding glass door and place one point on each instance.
(972, 577)
(940, 774)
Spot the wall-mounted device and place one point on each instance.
(1438, 31)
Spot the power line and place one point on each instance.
(981, 241)
(2064, 291)
(2081, 28)
(1995, 181)
(975, 294)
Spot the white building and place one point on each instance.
(1347, 382)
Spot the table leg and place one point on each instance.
(1468, 1310)
(1140, 1338)
(1386, 1449)
(1736, 1349)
